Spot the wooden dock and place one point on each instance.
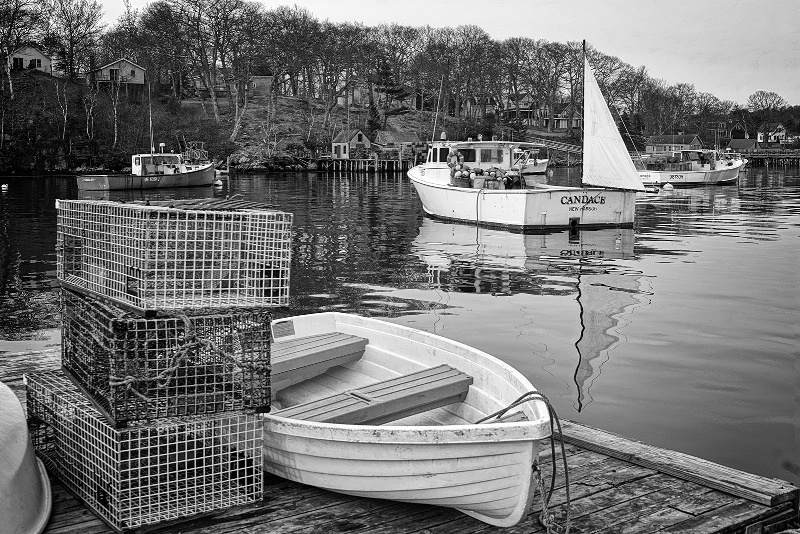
(364, 165)
(616, 485)
(772, 156)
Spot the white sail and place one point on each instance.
(606, 162)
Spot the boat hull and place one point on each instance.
(725, 175)
(483, 470)
(526, 209)
(203, 176)
(25, 496)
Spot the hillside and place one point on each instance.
(58, 126)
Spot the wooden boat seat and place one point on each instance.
(306, 357)
(388, 400)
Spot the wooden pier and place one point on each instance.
(616, 485)
(770, 157)
(364, 165)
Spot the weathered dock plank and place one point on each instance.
(766, 491)
(617, 485)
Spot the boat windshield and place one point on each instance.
(468, 153)
(491, 155)
(166, 159)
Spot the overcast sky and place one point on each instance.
(730, 48)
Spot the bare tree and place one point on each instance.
(74, 27)
(764, 105)
(90, 97)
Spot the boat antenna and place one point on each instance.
(436, 115)
(150, 113)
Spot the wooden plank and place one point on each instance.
(303, 358)
(729, 518)
(766, 491)
(387, 400)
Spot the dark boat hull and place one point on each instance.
(203, 176)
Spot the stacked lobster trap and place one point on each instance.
(166, 336)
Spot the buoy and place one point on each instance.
(668, 186)
(4, 187)
(217, 183)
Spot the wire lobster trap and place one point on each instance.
(179, 254)
(159, 472)
(136, 368)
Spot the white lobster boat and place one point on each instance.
(607, 197)
(692, 167)
(374, 409)
(156, 171)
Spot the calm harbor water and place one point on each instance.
(682, 333)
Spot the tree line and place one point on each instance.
(458, 71)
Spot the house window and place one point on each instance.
(38, 63)
(18, 63)
(136, 160)
(360, 138)
(133, 73)
(113, 74)
(344, 149)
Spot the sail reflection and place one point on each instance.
(587, 265)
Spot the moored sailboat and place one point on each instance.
(501, 199)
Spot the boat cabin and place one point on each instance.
(487, 154)
(147, 164)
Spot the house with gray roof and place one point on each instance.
(743, 145)
(349, 141)
(659, 144)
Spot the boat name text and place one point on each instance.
(583, 199)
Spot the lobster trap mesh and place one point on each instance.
(137, 368)
(164, 471)
(175, 254)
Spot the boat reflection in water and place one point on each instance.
(583, 264)
(129, 195)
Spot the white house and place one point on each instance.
(771, 132)
(121, 70)
(349, 141)
(29, 57)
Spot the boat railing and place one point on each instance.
(668, 166)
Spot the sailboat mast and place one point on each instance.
(150, 112)
(583, 104)
(436, 115)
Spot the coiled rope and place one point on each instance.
(546, 518)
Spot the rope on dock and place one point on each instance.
(546, 518)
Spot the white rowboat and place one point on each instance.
(440, 457)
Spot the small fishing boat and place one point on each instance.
(375, 409)
(692, 167)
(156, 170)
(530, 158)
(25, 498)
(472, 181)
